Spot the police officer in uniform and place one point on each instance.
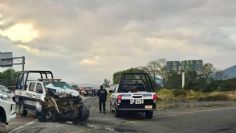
(102, 94)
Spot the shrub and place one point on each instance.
(215, 97)
(179, 93)
(195, 95)
(164, 94)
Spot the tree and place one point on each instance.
(191, 80)
(157, 68)
(117, 75)
(207, 71)
(174, 80)
(206, 80)
(8, 77)
(220, 75)
(106, 83)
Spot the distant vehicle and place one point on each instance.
(7, 105)
(134, 93)
(87, 91)
(50, 99)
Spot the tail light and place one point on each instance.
(119, 98)
(154, 97)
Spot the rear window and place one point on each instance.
(133, 82)
(124, 88)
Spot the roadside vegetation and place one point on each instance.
(8, 77)
(208, 84)
(175, 94)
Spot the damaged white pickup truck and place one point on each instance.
(50, 99)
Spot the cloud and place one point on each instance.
(91, 61)
(20, 32)
(93, 39)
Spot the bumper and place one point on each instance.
(137, 107)
(12, 117)
(132, 109)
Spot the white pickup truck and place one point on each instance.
(50, 99)
(7, 106)
(134, 93)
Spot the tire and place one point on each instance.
(149, 114)
(22, 110)
(3, 125)
(2, 119)
(41, 117)
(117, 113)
(84, 113)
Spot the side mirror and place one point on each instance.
(110, 91)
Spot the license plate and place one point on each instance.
(148, 106)
(136, 101)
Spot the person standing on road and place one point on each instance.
(102, 94)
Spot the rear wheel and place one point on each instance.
(22, 110)
(149, 114)
(117, 113)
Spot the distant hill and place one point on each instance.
(230, 72)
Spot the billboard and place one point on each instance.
(6, 59)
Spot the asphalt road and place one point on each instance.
(201, 120)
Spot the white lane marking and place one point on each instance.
(192, 112)
(27, 124)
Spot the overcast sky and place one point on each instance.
(84, 41)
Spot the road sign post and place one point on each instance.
(7, 60)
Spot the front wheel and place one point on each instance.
(149, 114)
(41, 116)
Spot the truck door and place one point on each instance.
(29, 98)
(40, 91)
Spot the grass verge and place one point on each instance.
(174, 94)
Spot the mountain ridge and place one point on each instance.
(230, 72)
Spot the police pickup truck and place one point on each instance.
(134, 93)
(48, 94)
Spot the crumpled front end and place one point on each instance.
(63, 107)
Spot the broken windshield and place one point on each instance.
(62, 85)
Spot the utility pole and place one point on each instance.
(183, 79)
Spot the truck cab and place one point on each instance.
(30, 88)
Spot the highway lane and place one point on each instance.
(222, 120)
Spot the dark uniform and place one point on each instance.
(102, 94)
